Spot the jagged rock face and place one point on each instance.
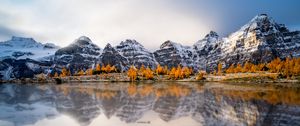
(111, 56)
(22, 68)
(259, 41)
(205, 48)
(136, 53)
(172, 54)
(81, 53)
(256, 41)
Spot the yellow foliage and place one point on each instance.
(172, 73)
(80, 73)
(238, 68)
(288, 67)
(178, 73)
(64, 72)
(148, 74)
(89, 71)
(187, 72)
(132, 73)
(98, 67)
(56, 74)
(141, 70)
(247, 67)
(230, 69)
(108, 68)
(159, 70)
(200, 76)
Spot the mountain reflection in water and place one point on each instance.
(149, 104)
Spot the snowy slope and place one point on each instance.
(22, 48)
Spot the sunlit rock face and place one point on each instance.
(210, 104)
(259, 41)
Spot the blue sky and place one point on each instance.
(150, 22)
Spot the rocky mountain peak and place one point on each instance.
(108, 46)
(208, 42)
(261, 24)
(83, 41)
(167, 43)
(22, 39)
(212, 34)
(131, 42)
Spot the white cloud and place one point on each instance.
(150, 22)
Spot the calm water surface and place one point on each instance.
(159, 104)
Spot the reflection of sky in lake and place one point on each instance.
(159, 104)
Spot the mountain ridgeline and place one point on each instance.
(259, 41)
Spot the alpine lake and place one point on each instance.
(150, 104)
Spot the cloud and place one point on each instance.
(6, 32)
(150, 22)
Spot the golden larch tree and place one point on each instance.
(98, 67)
(132, 73)
(64, 72)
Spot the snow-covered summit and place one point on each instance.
(208, 41)
(22, 48)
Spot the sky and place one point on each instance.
(150, 22)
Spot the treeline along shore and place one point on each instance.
(276, 71)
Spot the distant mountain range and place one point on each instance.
(259, 41)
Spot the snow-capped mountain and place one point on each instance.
(136, 53)
(110, 55)
(172, 54)
(22, 48)
(81, 53)
(23, 57)
(258, 41)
